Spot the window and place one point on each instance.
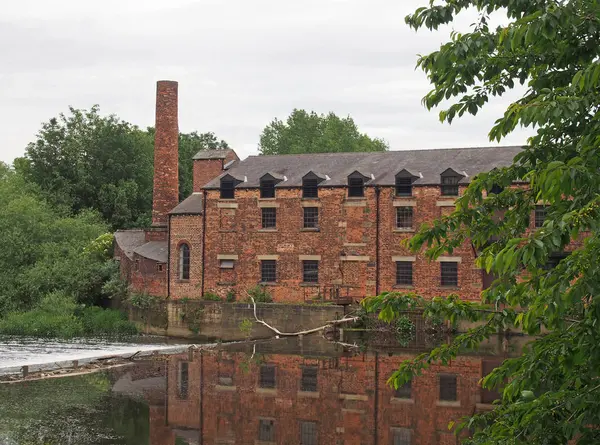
(269, 218)
(540, 215)
(268, 271)
(308, 433)
(136, 265)
(267, 376)
(450, 185)
(266, 430)
(356, 187)
(404, 273)
(401, 436)
(226, 264)
(449, 273)
(404, 217)
(183, 380)
(309, 188)
(267, 188)
(404, 391)
(448, 387)
(403, 186)
(309, 379)
(184, 262)
(160, 267)
(310, 271)
(227, 189)
(311, 217)
(495, 190)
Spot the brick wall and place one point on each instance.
(166, 145)
(352, 403)
(205, 170)
(186, 229)
(345, 244)
(148, 276)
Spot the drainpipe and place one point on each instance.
(376, 410)
(201, 438)
(203, 241)
(169, 256)
(377, 192)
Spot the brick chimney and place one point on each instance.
(166, 148)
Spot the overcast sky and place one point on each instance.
(239, 64)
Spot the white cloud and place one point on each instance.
(239, 65)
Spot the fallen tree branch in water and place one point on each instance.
(308, 331)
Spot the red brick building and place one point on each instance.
(283, 398)
(318, 226)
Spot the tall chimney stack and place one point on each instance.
(166, 148)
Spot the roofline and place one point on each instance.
(339, 153)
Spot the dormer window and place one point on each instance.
(356, 185)
(267, 188)
(227, 188)
(267, 184)
(310, 185)
(450, 180)
(404, 180)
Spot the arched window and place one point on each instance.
(184, 262)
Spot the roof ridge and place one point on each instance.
(486, 147)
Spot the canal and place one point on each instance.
(286, 391)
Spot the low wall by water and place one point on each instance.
(230, 321)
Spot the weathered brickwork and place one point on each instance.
(207, 169)
(186, 229)
(166, 147)
(352, 403)
(345, 244)
(148, 276)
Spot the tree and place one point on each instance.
(305, 132)
(86, 161)
(553, 390)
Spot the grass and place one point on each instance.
(90, 321)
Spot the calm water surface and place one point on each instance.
(285, 392)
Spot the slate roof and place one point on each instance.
(129, 240)
(212, 154)
(154, 250)
(381, 167)
(192, 205)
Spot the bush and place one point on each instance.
(211, 296)
(260, 294)
(98, 321)
(39, 323)
(230, 298)
(57, 315)
(143, 301)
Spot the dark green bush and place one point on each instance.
(260, 294)
(230, 298)
(211, 296)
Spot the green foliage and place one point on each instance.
(260, 294)
(211, 296)
(230, 297)
(552, 392)
(143, 301)
(305, 132)
(58, 315)
(83, 160)
(246, 327)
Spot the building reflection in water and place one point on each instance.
(308, 391)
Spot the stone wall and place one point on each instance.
(214, 320)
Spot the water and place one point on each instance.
(287, 391)
(16, 352)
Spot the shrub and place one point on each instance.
(211, 296)
(260, 294)
(230, 298)
(39, 323)
(246, 327)
(98, 321)
(143, 301)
